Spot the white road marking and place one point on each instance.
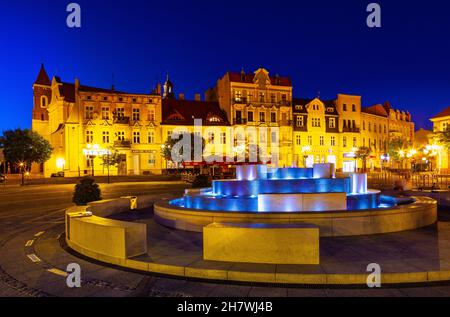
(34, 258)
(57, 272)
(39, 234)
(29, 243)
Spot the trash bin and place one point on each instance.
(133, 202)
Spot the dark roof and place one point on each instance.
(67, 90)
(42, 78)
(443, 113)
(377, 110)
(248, 78)
(330, 105)
(183, 112)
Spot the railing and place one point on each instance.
(261, 102)
(122, 120)
(351, 130)
(427, 180)
(239, 121)
(122, 144)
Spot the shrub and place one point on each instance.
(201, 181)
(86, 191)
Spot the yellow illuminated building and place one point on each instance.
(241, 108)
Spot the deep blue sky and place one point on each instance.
(322, 45)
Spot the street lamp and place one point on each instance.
(22, 169)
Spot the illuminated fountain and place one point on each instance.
(339, 206)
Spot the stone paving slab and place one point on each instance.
(413, 256)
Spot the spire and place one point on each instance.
(168, 89)
(42, 78)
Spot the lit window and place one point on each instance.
(120, 112)
(299, 139)
(89, 112)
(332, 123)
(136, 114)
(89, 137)
(152, 159)
(121, 136)
(299, 121)
(151, 137)
(136, 137)
(105, 113)
(105, 137)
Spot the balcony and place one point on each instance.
(122, 120)
(239, 121)
(122, 144)
(351, 130)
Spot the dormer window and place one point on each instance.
(214, 119)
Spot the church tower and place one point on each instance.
(168, 89)
(42, 95)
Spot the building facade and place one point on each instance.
(82, 121)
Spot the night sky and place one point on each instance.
(323, 46)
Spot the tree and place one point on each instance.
(25, 147)
(86, 191)
(444, 138)
(113, 159)
(170, 143)
(396, 148)
(362, 153)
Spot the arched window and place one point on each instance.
(44, 101)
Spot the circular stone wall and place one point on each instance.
(332, 224)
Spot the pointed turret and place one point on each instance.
(168, 89)
(42, 78)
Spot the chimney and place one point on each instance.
(158, 89)
(181, 96)
(198, 97)
(77, 85)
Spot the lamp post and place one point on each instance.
(22, 166)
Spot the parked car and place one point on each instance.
(59, 174)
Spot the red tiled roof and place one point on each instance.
(248, 78)
(42, 78)
(188, 110)
(443, 113)
(377, 110)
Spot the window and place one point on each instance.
(105, 98)
(262, 116)
(238, 115)
(89, 137)
(44, 101)
(354, 108)
(134, 100)
(89, 112)
(105, 113)
(322, 141)
(152, 159)
(120, 99)
(261, 97)
(344, 107)
(333, 141)
(355, 142)
(223, 138)
(375, 128)
(136, 137)
(299, 121)
(272, 98)
(121, 136)
(151, 115)
(42, 117)
(310, 140)
(211, 137)
(364, 125)
(120, 112)
(136, 114)
(238, 95)
(316, 122)
(273, 137)
(370, 127)
(385, 129)
(298, 139)
(284, 98)
(273, 117)
(332, 123)
(105, 136)
(151, 137)
(250, 116)
(344, 141)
